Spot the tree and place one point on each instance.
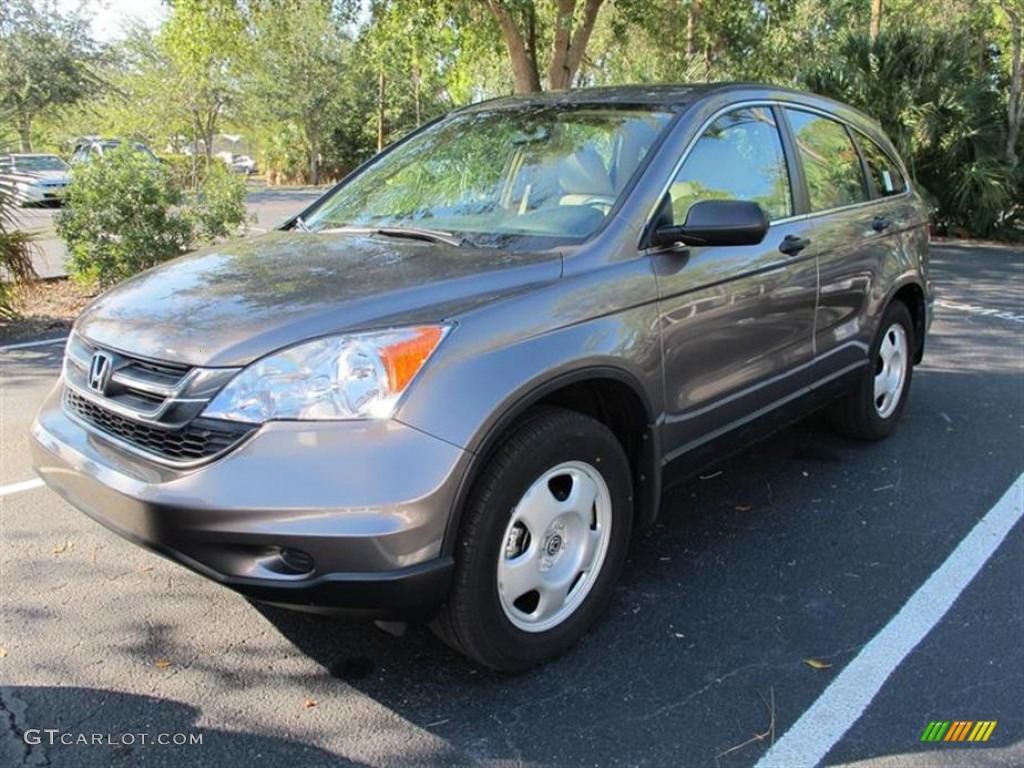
(204, 46)
(876, 18)
(300, 73)
(941, 106)
(526, 28)
(47, 61)
(417, 61)
(1015, 97)
(571, 28)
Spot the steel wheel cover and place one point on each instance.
(554, 546)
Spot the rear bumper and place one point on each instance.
(345, 516)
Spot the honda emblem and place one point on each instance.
(99, 372)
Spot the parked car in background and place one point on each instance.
(243, 164)
(454, 386)
(93, 147)
(34, 178)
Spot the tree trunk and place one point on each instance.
(1015, 102)
(208, 136)
(522, 52)
(876, 18)
(692, 14)
(416, 93)
(570, 43)
(314, 156)
(381, 84)
(25, 132)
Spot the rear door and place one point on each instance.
(736, 321)
(851, 239)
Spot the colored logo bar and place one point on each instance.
(958, 730)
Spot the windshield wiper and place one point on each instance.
(301, 225)
(421, 233)
(412, 233)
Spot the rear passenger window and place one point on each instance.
(830, 161)
(885, 174)
(738, 158)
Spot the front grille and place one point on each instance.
(200, 439)
(152, 406)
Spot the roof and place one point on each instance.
(679, 97)
(670, 96)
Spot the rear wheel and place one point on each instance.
(543, 538)
(872, 410)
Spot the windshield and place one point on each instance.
(501, 175)
(40, 163)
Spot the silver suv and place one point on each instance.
(454, 386)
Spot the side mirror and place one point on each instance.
(717, 222)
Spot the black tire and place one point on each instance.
(857, 414)
(473, 620)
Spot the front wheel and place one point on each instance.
(542, 541)
(872, 410)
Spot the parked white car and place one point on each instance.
(34, 178)
(88, 148)
(243, 164)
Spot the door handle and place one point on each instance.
(791, 245)
(880, 223)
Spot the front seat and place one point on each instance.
(584, 180)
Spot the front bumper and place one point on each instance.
(342, 516)
(35, 194)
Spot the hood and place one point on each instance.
(235, 302)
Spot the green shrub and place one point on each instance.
(186, 171)
(217, 209)
(125, 214)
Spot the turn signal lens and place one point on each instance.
(403, 359)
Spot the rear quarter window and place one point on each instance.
(884, 172)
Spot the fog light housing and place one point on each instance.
(297, 560)
(288, 561)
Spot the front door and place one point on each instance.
(737, 322)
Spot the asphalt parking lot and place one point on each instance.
(805, 547)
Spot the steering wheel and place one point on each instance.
(603, 203)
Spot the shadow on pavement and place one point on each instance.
(92, 727)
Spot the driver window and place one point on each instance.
(739, 157)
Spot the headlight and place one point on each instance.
(357, 376)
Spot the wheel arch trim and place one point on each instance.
(918, 314)
(647, 499)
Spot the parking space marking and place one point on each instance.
(24, 485)
(846, 699)
(974, 309)
(27, 344)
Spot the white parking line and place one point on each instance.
(24, 485)
(27, 344)
(844, 701)
(974, 309)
